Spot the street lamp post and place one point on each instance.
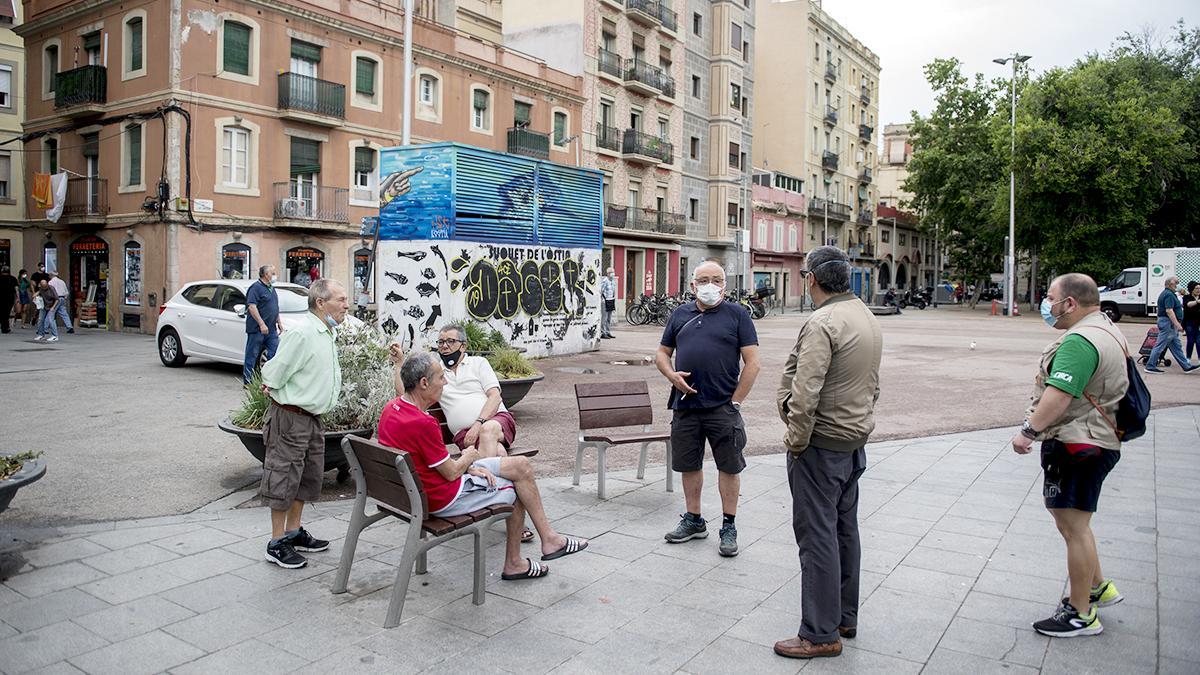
(1010, 274)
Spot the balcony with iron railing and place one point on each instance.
(522, 141)
(858, 251)
(648, 79)
(865, 131)
(81, 90)
(830, 72)
(666, 17)
(608, 138)
(865, 174)
(636, 219)
(610, 63)
(312, 100)
(831, 115)
(646, 149)
(837, 211)
(645, 12)
(864, 94)
(829, 160)
(864, 214)
(87, 197)
(304, 201)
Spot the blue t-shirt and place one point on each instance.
(265, 298)
(1168, 301)
(708, 345)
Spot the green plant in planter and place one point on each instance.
(508, 363)
(367, 384)
(11, 464)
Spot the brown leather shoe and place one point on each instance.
(848, 632)
(801, 648)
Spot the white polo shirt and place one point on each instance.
(465, 393)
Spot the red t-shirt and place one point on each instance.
(406, 427)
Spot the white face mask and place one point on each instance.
(709, 294)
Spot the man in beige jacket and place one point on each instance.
(827, 400)
(1082, 377)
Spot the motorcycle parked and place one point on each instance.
(911, 299)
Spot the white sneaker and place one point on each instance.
(39, 338)
(52, 338)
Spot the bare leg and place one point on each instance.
(730, 487)
(293, 515)
(278, 523)
(490, 435)
(520, 472)
(1083, 561)
(514, 562)
(693, 484)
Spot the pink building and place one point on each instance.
(777, 236)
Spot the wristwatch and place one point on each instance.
(1028, 431)
(737, 405)
(481, 420)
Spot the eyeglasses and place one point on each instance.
(805, 273)
(448, 342)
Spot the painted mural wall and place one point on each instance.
(474, 235)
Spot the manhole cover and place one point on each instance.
(577, 371)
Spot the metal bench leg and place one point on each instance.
(641, 474)
(480, 568)
(670, 473)
(600, 449)
(578, 463)
(404, 572)
(356, 527)
(423, 563)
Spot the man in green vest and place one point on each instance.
(1081, 379)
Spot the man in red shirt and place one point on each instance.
(455, 486)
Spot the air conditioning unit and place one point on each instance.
(293, 207)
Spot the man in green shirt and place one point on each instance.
(303, 381)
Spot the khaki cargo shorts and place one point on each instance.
(294, 465)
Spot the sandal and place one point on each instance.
(535, 570)
(527, 536)
(572, 546)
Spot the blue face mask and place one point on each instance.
(1047, 314)
(329, 320)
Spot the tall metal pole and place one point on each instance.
(406, 123)
(895, 261)
(1012, 199)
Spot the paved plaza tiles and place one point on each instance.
(959, 557)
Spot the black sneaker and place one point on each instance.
(303, 541)
(284, 555)
(1067, 622)
(728, 547)
(1104, 595)
(687, 529)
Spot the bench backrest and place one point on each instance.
(383, 469)
(613, 404)
(440, 416)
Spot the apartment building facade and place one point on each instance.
(910, 253)
(818, 123)
(12, 113)
(289, 105)
(777, 232)
(630, 54)
(718, 106)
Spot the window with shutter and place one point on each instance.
(521, 113)
(306, 156)
(236, 49)
(306, 51)
(479, 110)
(560, 128)
(5, 86)
(133, 149)
(135, 43)
(364, 76)
(364, 168)
(91, 41)
(91, 145)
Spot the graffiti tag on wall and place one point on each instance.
(518, 280)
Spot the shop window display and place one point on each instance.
(235, 261)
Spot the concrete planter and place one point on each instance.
(334, 457)
(512, 391)
(31, 471)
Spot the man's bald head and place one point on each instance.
(1078, 286)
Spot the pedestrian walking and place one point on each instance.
(303, 382)
(1170, 325)
(25, 293)
(1191, 318)
(1081, 379)
(608, 300)
(62, 311)
(39, 276)
(826, 399)
(263, 324)
(9, 298)
(715, 350)
(47, 303)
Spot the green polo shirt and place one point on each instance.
(1074, 364)
(305, 371)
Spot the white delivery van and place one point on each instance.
(1134, 291)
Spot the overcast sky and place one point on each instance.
(907, 35)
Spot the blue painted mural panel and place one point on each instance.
(570, 207)
(416, 196)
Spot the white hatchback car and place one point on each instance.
(207, 319)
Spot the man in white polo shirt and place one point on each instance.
(471, 398)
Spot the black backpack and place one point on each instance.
(1134, 406)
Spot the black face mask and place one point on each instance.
(452, 358)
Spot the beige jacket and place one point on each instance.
(831, 381)
(1083, 422)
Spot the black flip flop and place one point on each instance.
(572, 546)
(535, 571)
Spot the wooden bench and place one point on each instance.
(448, 436)
(389, 477)
(611, 405)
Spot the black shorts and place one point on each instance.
(721, 426)
(1073, 481)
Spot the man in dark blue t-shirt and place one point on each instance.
(715, 349)
(1170, 324)
(262, 320)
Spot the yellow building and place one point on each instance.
(12, 114)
